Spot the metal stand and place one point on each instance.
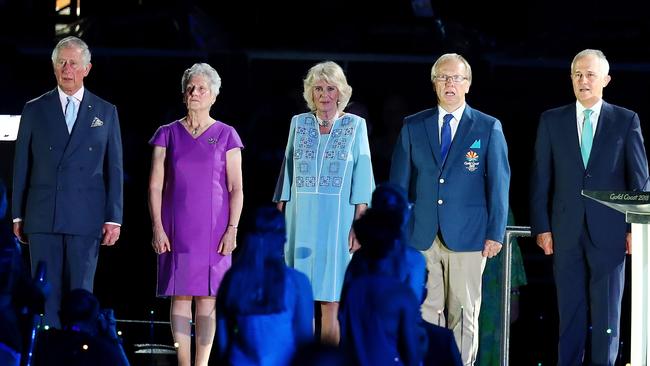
(504, 344)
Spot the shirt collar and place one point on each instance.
(580, 109)
(79, 95)
(458, 113)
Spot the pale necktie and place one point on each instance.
(445, 136)
(70, 114)
(587, 137)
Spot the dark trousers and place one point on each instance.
(589, 280)
(71, 261)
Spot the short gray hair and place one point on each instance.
(69, 42)
(447, 57)
(589, 52)
(203, 69)
(332, 73)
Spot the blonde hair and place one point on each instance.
(331, 73)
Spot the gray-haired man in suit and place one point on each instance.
(67, 189)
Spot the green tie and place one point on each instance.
(587, 136)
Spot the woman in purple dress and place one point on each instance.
(195, 201)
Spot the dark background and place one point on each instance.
(520, 56)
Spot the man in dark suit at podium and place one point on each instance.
(67, 190)
(591, 145)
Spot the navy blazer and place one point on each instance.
(617, 162)
(68, 183)
(465, 197)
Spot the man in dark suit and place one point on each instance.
(453, 162)
(592, 145)
(67, 190)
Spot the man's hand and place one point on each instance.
(545, 241)
(18, 231)
(111, 233)
(491, 248)
(628, 243)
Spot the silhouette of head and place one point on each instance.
(79, 306)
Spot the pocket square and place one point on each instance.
(97, 122)
(476, 144)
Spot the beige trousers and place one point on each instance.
(454, 285)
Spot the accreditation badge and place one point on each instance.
(471, 161)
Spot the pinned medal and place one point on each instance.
(471, 161)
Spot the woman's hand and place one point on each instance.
(160, 241)
(228, 241)
(353, 243)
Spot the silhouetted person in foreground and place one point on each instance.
(264, 308)
(383, 289)
(87, 337)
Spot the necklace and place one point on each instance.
(322, 122)
(194, 130)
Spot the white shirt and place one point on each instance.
(580, 117)
(458, 113)
(76, 99)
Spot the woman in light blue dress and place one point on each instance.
(325, 182)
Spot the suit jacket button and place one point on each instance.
(442, 180)
(440, 202)
(90, 148)
(50, 148)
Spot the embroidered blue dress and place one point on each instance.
(322, 178)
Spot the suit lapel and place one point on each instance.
(431, 127)
(602, 131)
(568, 133)
(81, 125)
(458, 144)
(56, 119)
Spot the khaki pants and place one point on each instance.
(454, 284)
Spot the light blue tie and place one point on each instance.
(445, 136)
(587, 137)
(70, 114)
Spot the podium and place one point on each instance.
(636, 207)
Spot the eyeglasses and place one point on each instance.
(446, 78)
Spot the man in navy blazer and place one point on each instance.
(453, 162)
(67, 188)
(590, 145)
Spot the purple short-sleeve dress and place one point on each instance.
(195, 208)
